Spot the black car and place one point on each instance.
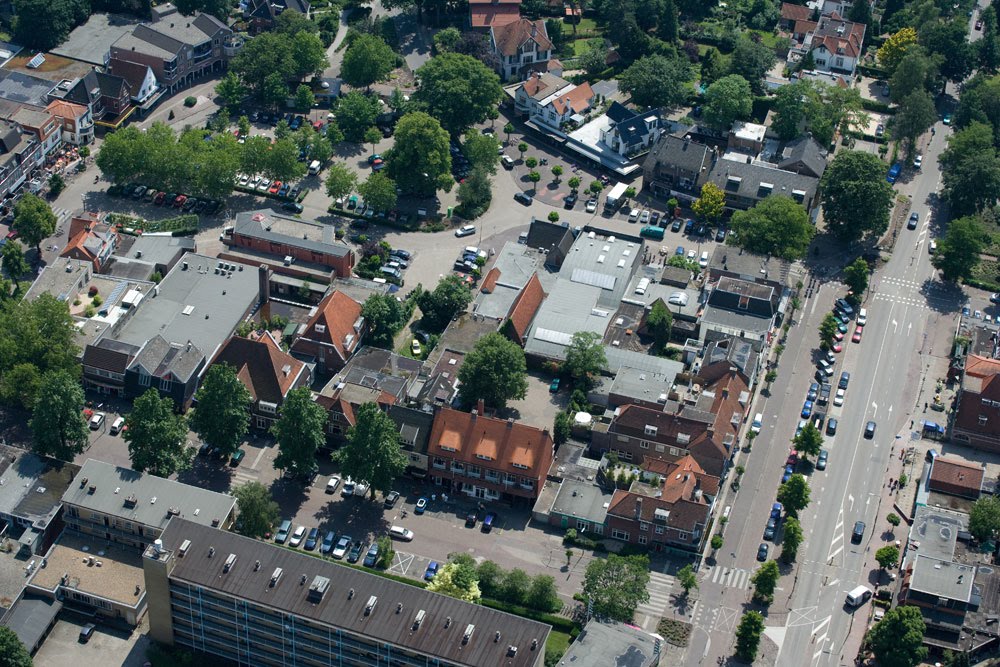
(676, 225)
(772, 527)
(912, 222)
(569, 201)
(845, 378)
(762, 552)
(355, 553)
(831, 426)
(372, 556)
(523, 198)
(390, 499)
(86, 632)
(399, 252)
(291, 206)
(654, 219)
(720, 234)
(312, 539)
(859, 532)
(470, 520)
(821, 460)
(870, 430)
(702, 230)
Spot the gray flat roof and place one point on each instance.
(516, 263)
(613, 645)
(644, 384)
(194, 304)
(434, 637)
(23, 89)
(936, 530)
(31, 487)
(267, 225)
(91, 41)
(582, 500)
(31, 618)
(942, 578)
(570, 307)
(154, 496)
(605, 261)
(742, 321)
(159, 248)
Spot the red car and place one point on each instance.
(180, 201)
(837, 347)
(856, 338)
(158, 199)
(275, 187)
(793, 458)
(838, 336)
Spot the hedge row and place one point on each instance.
(557, 622)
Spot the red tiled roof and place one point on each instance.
(525, 306)
(577, 99)
(493, 16)
(981, 367)
(673, 431)
(490, 281)
(510, 446)
(790, 12)
(684, 475)
(65, 109)
(266, 370)
(846, 43)
(950, 474)
(509, 38)
(684, 512)
(333, 321)
(804, 27)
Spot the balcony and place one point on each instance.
(232, 45)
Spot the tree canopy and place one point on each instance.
(856, 277)
(58, 426)
(340, 181)
(616, 585)
(711, 204)
(420, 160)
(748, 634)
(222, 417)
(764, 581)
(256, 511)
(777, 225)
(13, 653)
(915, 116)
(660, 322)
(42, 25)
(970, 168)
(449, 297)
(372, 453)
(895, 48)
(299, 432)
(457, 580)
(958, 252)
(367, 60)
(458, 90)
(791, 539)
(378, 191)
(726, 100)
(818, 108)
(356, 113)
(984, 518)
(385, 317)
(809, 440)
(585, 357)
(752, 60)
(270, 60)
(794, 494)
(495, 371)
(856, 197)
(156, 436)
(36, 337)
(657, 81)
(887, 556)
(34, 220)
(897, 640)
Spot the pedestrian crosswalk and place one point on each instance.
(729, 577)
(659, 588)
(242, 477)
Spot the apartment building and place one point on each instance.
(248, 602)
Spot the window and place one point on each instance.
(623, 438)
(448, 449)
(623, 455)
(659, 530)
(492, 476)
(474, 471)
(683, 535)
(643, 444)
(458, 467)
(582, 526)
(484, 457)
(165, 384)
(439, 462)
(643, 526)
(643, 539)
(520, 466)
(650, 430)
(619, 534)
(144, 378)
(674, 451)
(733, 183)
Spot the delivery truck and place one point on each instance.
(615, 197)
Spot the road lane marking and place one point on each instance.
(836, 551)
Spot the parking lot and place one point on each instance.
(107, 646)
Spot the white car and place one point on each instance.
(839, 398)
(862, 317)
(703, 261)
(340, 550)
(297, 536)
(644, 217)
(332, 484)
(400, 533)
(348, 489)
(690, 254)
(932, 248)
(96, 421)
(244, 179)
(415, 347)
(465, 230)
(633, 215)
(918, 161)
(758, 421)
(591, 205)
(264, 185)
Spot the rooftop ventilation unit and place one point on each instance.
(469, 629)
(230, 561)
(370, 607)
(317, 588)
(274, 577)
(418, 619)
(185, 545)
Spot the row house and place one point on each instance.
(45, 127)
(141, 80)
(76, 120)
(672, 514)
(91, 240)
(333, 333)
(20, 155)
(488, 458)
(977, 417)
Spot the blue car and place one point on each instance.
(283, 190)
(432, 570)
(965, 311)
(807, 409)
(789, 471)
(328, 543)
(421, 506)
(894, 171)
(680, 251)
(312, 539)
(688, 226)
(813, 391)
(776, 509)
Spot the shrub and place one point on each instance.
(190, 101)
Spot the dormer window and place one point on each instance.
(650, 430)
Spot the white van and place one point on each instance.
(859, 596)
(116, 425)
(862, 317)
(758, 421)
(314, 167)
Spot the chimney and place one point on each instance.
(510, 422)
(263, 284)
(638, 508)
(534, 30)
(481, 407)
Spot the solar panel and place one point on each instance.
(36, 61)
(551, 336)
(592, 278)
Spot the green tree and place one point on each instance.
(856, 197)
(716, 542)
(585, 357)
(508, 130)
(791, 539)
(794, 494)
(984, 518)
(915, 72)
(713, 65)
(385, 317)
(367, 60)
(542, 594)
(39, 334)
(304, 98)
(308, 55)
(457, 580)
(420, 161)
(58, 427)
(446, 40)
(764, 581)
(557, 171)
(915, 116)
(958, 252)
(458, 90)
(231, 90)
(156, 436)
(56, 185)
(893, 519)
(282, 163)
(856, 276)
(752, 60)
(660, 323)
(12, 652)
(34, 220)
(274, 91)
(515, 586)
(828, 328)
(895, 48)
(476, 192)
(222, 417)
(378, 191)
(257, 513)
(243, 123)
(887, 557)
(372, 453)
(809, 440)
(657, 81)
(42, 25)
(573, 183)
(531, 162)
(561, 428)
(439, 306)
(340, 181)
(898, 639)
(971, 168)
(726, 100)
(299, 432)
(790, 109)
(777, 225)
(21, 383)
(482, 151)
(553, 216)
(666, 26)
(595, 59)
(14, 262)
(748, 634)
(687, 579)
(373, 136)
(616, 585)
(534, 177)
(356, 112)
(494, 371)
(711, 204)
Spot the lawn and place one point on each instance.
(558, 642)
(579, 47)
(988, 275)
(585, 26)
(767, 38)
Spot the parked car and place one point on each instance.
(189, 205)
(340, 549)
(831, 426)
(421, 506)
(431, 571)
(282, 535)
(675, 226)
(523, 198)
(554, 386)
(776, 509)
(821, 460)
(769, 530)
(332, 484)
(856, 338)
(400, 533)
(471, 519)
(312, 539)
(292, 207)
(390, 499)
(465, 230)
(86, 632)
(327, 545)
(354, 555)
(488, 521)
(297, 536)
(762, 552)
(158, 199)
(569, 201)
(372, 556)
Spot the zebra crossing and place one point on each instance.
(659, 588)
(730, 577)
(242, 477)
